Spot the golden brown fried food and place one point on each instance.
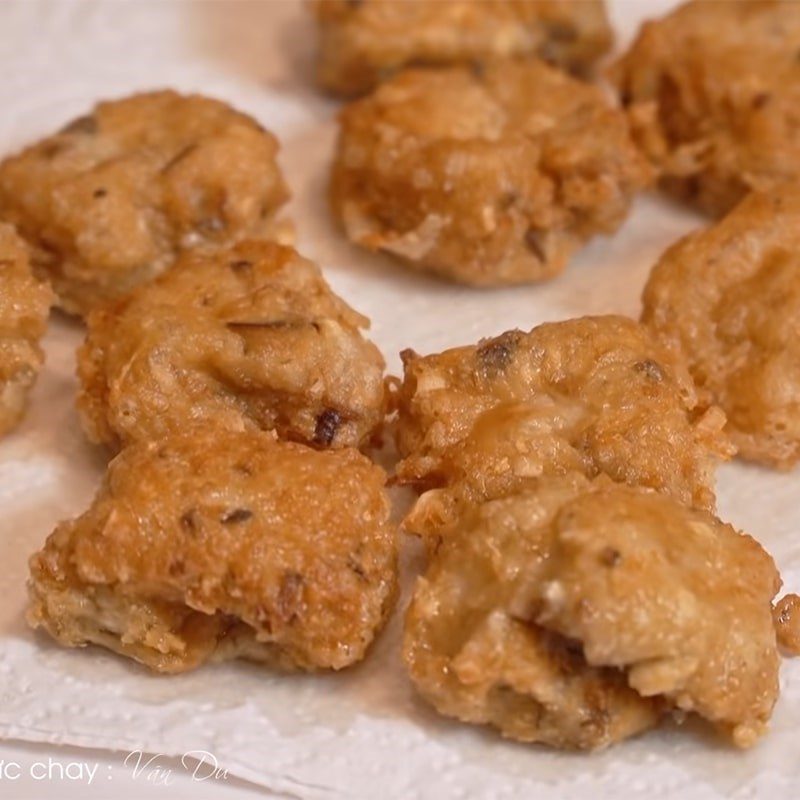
(484, 178)
(363, 43)
(675, 597)
(576, 614)
(712, 90)
(590, 395)
(245, 338)
(108, 202)
(24, 308)
(728, 297)
(212, 545)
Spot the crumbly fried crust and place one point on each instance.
(728, 297)
(24, 308)
(675, 597)
(243, 338)
(590, 395)
(712, 91)
(484, 178)
(575, 614)
(213, 545)
(108, 202)
(363, 43)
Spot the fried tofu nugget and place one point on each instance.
(211, 545)
(485, 178)
(728, 297)
(590, 395)
(24, 307)
(577, 614)
(363, 43)
(712, 91)
(246, 338)
(110, 200)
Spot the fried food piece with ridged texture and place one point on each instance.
(712, 90)
(246, 338)
(728, 298)
(589, 395)
(485, 179)
(212, 545)
(577, 614)
(108, 202)
(363, 43)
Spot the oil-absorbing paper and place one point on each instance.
(362, 733)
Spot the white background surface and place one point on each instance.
(363, 733)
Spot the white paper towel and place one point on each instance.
(362, 733)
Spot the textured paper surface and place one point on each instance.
(362, 733)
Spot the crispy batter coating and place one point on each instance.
(107, 202)
(24, 308)
(675, 597)
(245, 338)
(484, 178)
(363, 43)
(712, 90)
(212, 545)
(590, 395)
(728, 297)
(575, 614)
